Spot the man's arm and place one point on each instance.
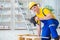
(48, 16)
(38, 26)
(39, 29)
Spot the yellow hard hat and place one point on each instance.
(31, 4)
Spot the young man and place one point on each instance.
(49, 20)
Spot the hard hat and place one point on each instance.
(31, 4)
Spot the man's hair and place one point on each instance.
(32, 20)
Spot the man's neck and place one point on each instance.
(38, 11)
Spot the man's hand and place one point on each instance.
(41, 18)
(36, 18)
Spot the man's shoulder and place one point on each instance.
(44, 8)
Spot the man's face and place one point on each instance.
(34, 8)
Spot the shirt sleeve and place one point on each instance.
(46, 11)
(38, 21)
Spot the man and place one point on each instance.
(49, 20)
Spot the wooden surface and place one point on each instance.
(30, 37)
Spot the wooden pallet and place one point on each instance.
(30, 37)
